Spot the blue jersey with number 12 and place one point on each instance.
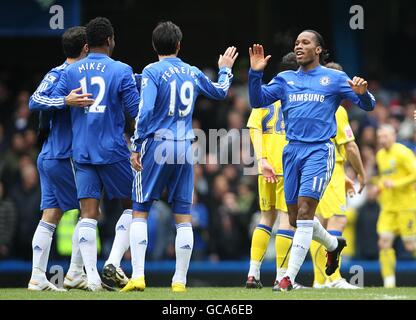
(98, 130)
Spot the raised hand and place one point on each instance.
(257, 60)
(228, 58)
(358, 85)
(78, 99)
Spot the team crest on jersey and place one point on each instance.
(50, 78)
(144, 82)
(324, 81)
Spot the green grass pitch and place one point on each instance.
(217, 293)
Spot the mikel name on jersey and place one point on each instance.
(91, 66)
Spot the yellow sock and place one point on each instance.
(387, 258)
(259, 243)
(283, 245)
(318, 255)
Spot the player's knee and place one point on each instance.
(385, 242)
(337, 223)
(268, 218)
(304, 212)
(292, 221)
(52, 216)
(410, 245)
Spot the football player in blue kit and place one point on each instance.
(162, 145)
(100, 151)
(58, 191)
(310, 97)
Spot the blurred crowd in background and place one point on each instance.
(225, 208)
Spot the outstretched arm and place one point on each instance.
(219, 90)
(262, 95)
(356, 91)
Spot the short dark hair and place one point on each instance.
(324, 55)
(334, 65)
(73, 40)
(165, 38)
(98, 31)
(289, 62)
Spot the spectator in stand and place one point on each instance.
(8, 220)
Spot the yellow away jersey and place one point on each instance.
(270, 121)
(344, 134)
(399, 165)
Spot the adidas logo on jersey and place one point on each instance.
(121, 227)
(143, 242)
(82, 240)
(37, 248)
(187, 247)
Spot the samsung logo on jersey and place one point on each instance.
(306, 97)
(91, 66)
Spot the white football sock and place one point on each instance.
(254, 270)
(280, 273)
(138, 246)
(329, 241)
(121, 240)
(300, 247)
(77, 264)
(88, 247)
(184, 243)
(41, 246)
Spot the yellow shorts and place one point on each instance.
(334, 200)
(401, 223)
(271, 195)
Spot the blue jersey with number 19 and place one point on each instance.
(169, 90)
(98, 130)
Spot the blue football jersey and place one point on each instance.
(56, 115)
(98, 130)
(309, 100)
(168, 92)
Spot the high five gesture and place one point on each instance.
(257, 60)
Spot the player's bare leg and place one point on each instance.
(308, 228)
(138, 246)
(184, 244)
(259, 243)
(112, 272)
(41, 245)
(87, 237)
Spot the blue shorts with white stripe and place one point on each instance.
(307, 169)
(166, 164)
(57, 184)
